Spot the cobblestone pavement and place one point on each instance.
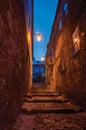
(40, 119)
(34, 116)
(51, 121)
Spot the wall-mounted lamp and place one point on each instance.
(42, 58)
(38, 37)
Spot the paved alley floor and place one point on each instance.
(46, 110)
(51, 121)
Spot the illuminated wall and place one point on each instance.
(68, 43)
(15, 58)
(28, 8)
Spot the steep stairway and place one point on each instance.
(48, 102)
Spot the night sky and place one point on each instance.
(44, 13)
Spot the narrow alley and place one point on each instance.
(47, 110)
(42, 65)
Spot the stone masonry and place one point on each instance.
(69, 59)
(14, 59)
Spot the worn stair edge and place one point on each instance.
(43, 91)
(46, 98)
(29, 95)
(45, 111)
(44, 95)
(38, 101)
(75, 107)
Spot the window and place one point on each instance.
(66, 9)
(60, 25)
(76, 41)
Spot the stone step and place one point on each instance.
(45, 111)
(75, 107)
(45, 94)
(46, 99)
(41, 89)
(31, 108)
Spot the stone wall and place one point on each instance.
(70, 67)
(14, 60)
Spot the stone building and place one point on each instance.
(66, 51)
(15, 56)
(38, 71)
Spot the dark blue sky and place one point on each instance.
(44, 13)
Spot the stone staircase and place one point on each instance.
(39, 101)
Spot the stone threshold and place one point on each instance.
(45, 111)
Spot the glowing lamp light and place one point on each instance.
(76, 40)
(42, 58)
(39, 37)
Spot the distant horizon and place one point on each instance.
(44, 14)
